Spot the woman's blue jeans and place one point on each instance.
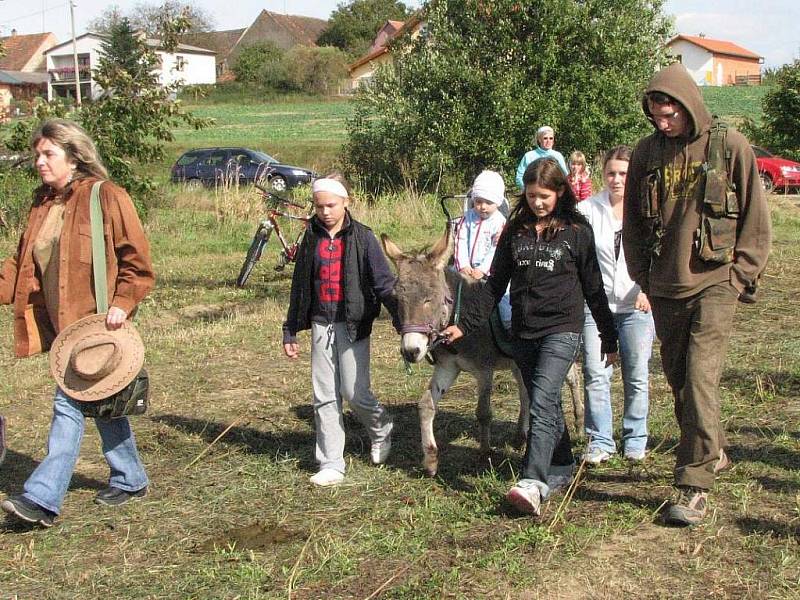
(636, 332)
(48, 483)
(544, 363)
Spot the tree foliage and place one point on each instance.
(353, 25)
(780, 127)
(472, 90)
(316, 70)
(150, 17)
(136, 114)
(262, 64)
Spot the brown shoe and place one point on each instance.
(723, 464)
(689, 509)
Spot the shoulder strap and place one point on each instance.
(717, 167)
(98, 250)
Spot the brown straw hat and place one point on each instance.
(90, 362)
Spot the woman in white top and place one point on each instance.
(634, 322)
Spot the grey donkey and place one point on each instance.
(426, 290)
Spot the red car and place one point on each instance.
(776, 173)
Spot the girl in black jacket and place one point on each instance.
(547, 253)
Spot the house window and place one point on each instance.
(180, 63)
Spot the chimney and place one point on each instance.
(701, 34)
(13, 32)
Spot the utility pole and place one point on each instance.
(75, 55)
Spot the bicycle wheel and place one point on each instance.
(260, 240)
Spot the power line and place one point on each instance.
(33, 14)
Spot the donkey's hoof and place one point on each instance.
(431, 465)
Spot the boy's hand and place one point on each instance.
(292, 350)
(611, 358)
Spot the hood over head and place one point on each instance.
(676, 81)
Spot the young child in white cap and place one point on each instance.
(478, 231)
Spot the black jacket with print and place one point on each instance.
(549, 283)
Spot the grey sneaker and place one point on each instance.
(27, 511)
(689, 509)
(595, 456)
(525, 497)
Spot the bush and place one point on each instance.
(16, 190)
(471, 90)
(780, 128)
(262, 64)
(316, 70)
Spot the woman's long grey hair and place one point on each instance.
(77, 144)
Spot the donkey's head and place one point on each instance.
(423, 299)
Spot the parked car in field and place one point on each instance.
(214, 166)
(776, 172)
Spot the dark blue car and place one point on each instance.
(243, 166)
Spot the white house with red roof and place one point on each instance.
(716, 62)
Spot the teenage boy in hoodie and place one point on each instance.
(670, 241)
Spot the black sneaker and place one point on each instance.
(114, 496)
(27, 511)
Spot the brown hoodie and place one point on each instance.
(678, 272)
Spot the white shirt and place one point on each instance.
(476, 240)
(620, 288)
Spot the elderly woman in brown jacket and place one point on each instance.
(49, 283)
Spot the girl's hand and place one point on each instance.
(451, 334)
(611, 358)
(115, 318)
(466, 271)
(478, 274)
(642, 303)
(292, 350)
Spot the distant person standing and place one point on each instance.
(545, 140)
(696, 237)
(579, 178)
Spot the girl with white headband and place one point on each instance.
(340, 280)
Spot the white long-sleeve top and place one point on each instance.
(620, 288)
(476, 240)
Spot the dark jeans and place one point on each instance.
(544, 364)
(694, 335)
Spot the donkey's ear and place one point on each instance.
(442, 250)
(391, 249)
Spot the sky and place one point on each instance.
(770, 28)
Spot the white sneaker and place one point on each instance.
(327, 477)
(525, 497)
(379, 451)
(595, 456)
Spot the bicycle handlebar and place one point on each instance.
(268, 194)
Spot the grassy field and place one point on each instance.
(238, 519)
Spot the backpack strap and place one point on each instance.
(717, 162)
(98, 250)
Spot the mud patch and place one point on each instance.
(256, 536)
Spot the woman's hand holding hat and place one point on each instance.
(115, 318)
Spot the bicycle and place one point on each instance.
(266, 227)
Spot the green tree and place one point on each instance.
(353, 25)
(136, 114)
(262, 64)
(316, 70)
(472, 90)
(780, 127)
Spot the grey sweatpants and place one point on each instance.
(340, 370)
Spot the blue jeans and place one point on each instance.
(544, 363)
(48, 483)
(636, 333)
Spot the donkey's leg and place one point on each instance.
(574, 383)
(444, 374)
(484, 410)
(523, 421)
